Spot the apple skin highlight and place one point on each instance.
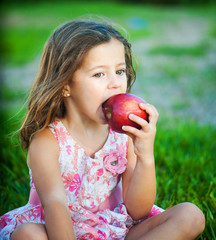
(117, 109)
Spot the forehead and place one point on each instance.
(112, 51)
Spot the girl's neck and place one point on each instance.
(78, 123)
(90, 136)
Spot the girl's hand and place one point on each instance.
(143, 139)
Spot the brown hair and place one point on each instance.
(62, 55)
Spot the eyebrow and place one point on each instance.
(104, 66)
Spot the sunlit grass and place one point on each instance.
(194, 51)
(29, 25)
(186, 168)
(29, 44)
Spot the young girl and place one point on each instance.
(87, 181)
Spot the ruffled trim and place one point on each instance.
(25, 214)
(104, 224)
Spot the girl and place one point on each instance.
(88, 182)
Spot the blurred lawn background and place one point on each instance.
(175, 47)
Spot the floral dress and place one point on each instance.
(93, 187)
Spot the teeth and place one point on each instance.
(108, 113)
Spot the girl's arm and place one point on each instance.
(43, 161)
(139, 180)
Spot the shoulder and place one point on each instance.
(43, 146)
(42, 139)
(43, 160)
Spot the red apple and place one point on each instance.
(117, 108)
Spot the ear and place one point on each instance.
(66, 92)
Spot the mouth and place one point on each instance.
(106, 110)
(104, 105)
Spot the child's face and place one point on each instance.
(101, 75)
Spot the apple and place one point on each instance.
(117, 109)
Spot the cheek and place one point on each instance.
(92, 93)
(124, 85)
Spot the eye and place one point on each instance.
(120, 72)
(98, 75)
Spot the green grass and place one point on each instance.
(25, 28)
(212, 31)
(14, 181)
(186, 168)
(29, 44)
(194, 51)
(9, 94)
(180, 104)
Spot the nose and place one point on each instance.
(114, 81)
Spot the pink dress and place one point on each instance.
(93, 188)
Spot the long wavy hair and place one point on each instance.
(62, 56)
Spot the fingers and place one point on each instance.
(146, 126)
(140, 121)
(152, 112)
(131, 131)
(134, 131)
